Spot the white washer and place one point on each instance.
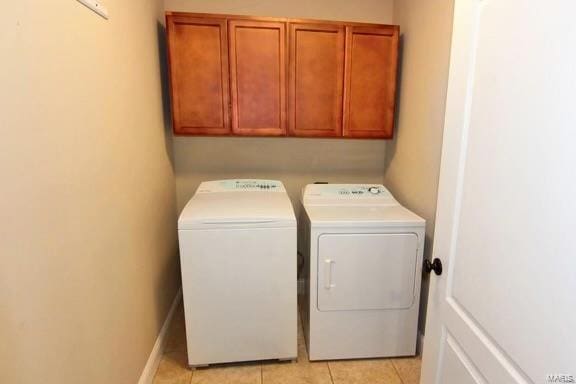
(363, 254)
(238, 260)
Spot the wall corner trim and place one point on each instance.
(420, 343)
(153, 362)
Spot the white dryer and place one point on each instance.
(238, 259)
(363, 261)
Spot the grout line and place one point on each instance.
(330, 373)
(396, 370)
(191, 375)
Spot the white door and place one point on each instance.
(504, 309)
(366, 271)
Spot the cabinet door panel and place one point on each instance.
(198, 54)
(316, 80)
(258, 77)
(370, 87)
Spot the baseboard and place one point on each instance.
(420, 343)
(151, 366)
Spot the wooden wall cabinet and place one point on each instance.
(248, 76)
(198, 62)
(370, 81)
(316, 73)
(258, 77)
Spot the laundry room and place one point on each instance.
(302, 192)
(403, 160)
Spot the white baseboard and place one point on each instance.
(151, 366)
(420, 343)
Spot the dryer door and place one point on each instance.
(366, 271)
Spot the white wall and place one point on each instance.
(413, 157)
(295, 161)
(88, 252)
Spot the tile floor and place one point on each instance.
(173, 368)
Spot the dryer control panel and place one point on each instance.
(355, 190)
(369, 193)
(351, 190)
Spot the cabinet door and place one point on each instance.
(258, 77)
(316, 76)
(370, 85)
(198, 55)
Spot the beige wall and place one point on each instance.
(87, 236)
(370, 11)
(294, 161)
(413, 157)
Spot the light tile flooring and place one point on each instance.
(173, 368)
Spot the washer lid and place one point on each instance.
(238, 204)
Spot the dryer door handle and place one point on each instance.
(328, 270)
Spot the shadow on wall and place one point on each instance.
(170, 266)
(165, 85)
(392, 144)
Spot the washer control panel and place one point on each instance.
(241, 185)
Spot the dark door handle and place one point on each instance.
(435, 265)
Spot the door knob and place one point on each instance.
(435, 265)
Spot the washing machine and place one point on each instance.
(363, 261)
(238, 260)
